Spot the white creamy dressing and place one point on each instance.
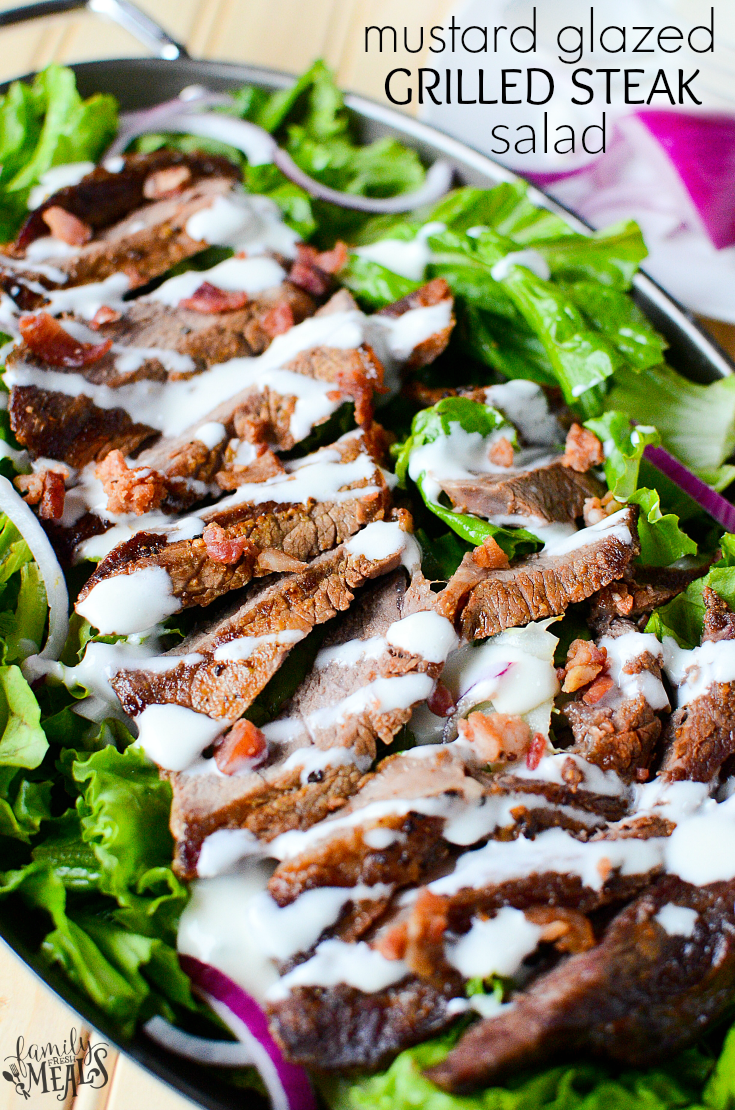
(381, 539)
(463, 455)
(58, 177)
(695, 671)
(174, 406)
(335, 962)
(407, 257)
(173, 736)
(322, 479)
(312, 759)
(426, 634)
(677, 921)
(495, 946)
(514, 670)
(530, 259)
(127, 603)
(241, 275)
(245, 646)
(524, 403)
(224, 848)
(212, 928)
(211, 434)
(624, 650)
(612, 526)
(245, 222)
(86, 300)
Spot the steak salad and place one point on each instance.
(368, 620)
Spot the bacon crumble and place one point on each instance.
(45, 336)
(130, 489)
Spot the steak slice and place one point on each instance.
(641, 996)
(700, 735)
(619, 730)
(342, 1029)
(547, 493)
(220, 668)
(541, 585)
(325, 736)
(640, 591)
(421, 806)
(132, 234)
(262, 517)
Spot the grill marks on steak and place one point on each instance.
(133, 234)
(634, 998)
(537, 586)
(277, 800)
(549, 493)
(301, 531)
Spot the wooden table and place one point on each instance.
(281, 34)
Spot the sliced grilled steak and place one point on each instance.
(616, 718)
(538, 586)
(326, 735)
(640, 996)
(241, 650)
(640, 591)
(438, 799)
(342, 1029)
(263, 518)
(548, 493)
(434, 293)
(700, 735)
(133, 232)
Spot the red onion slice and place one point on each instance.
(718, 507)
(260, 148)
(287, 1084)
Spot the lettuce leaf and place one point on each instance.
(474, 417)
(579, 1086)
(696, 422)
(683, 617)
(42, 125)
(624, 445)
(662, 540)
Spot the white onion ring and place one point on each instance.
(223, 1054)
(14, 507)
(260, 148)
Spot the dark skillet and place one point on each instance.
(142, 82)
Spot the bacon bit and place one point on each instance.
(441, 703)
(536, 751)
(243, 747)
(582, 450)
(333, 261)
(65, 226)
(569, 930)
(164, 183)
(46, 489)
(496, 737)
(222, 548)
(274, 560)
(401, 517)
(393, 942)
(604, 868)
(598, 689)
(490, 555)
(571, 773)
(642, 774)
(425, 934)
(355, 382)
(129, 489)
(278, 319)
(501, 452)
(104, 315)
(47, 339)
(210, 298)
(309, 278)
(585, 661)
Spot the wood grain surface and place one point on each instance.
(280, 34)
